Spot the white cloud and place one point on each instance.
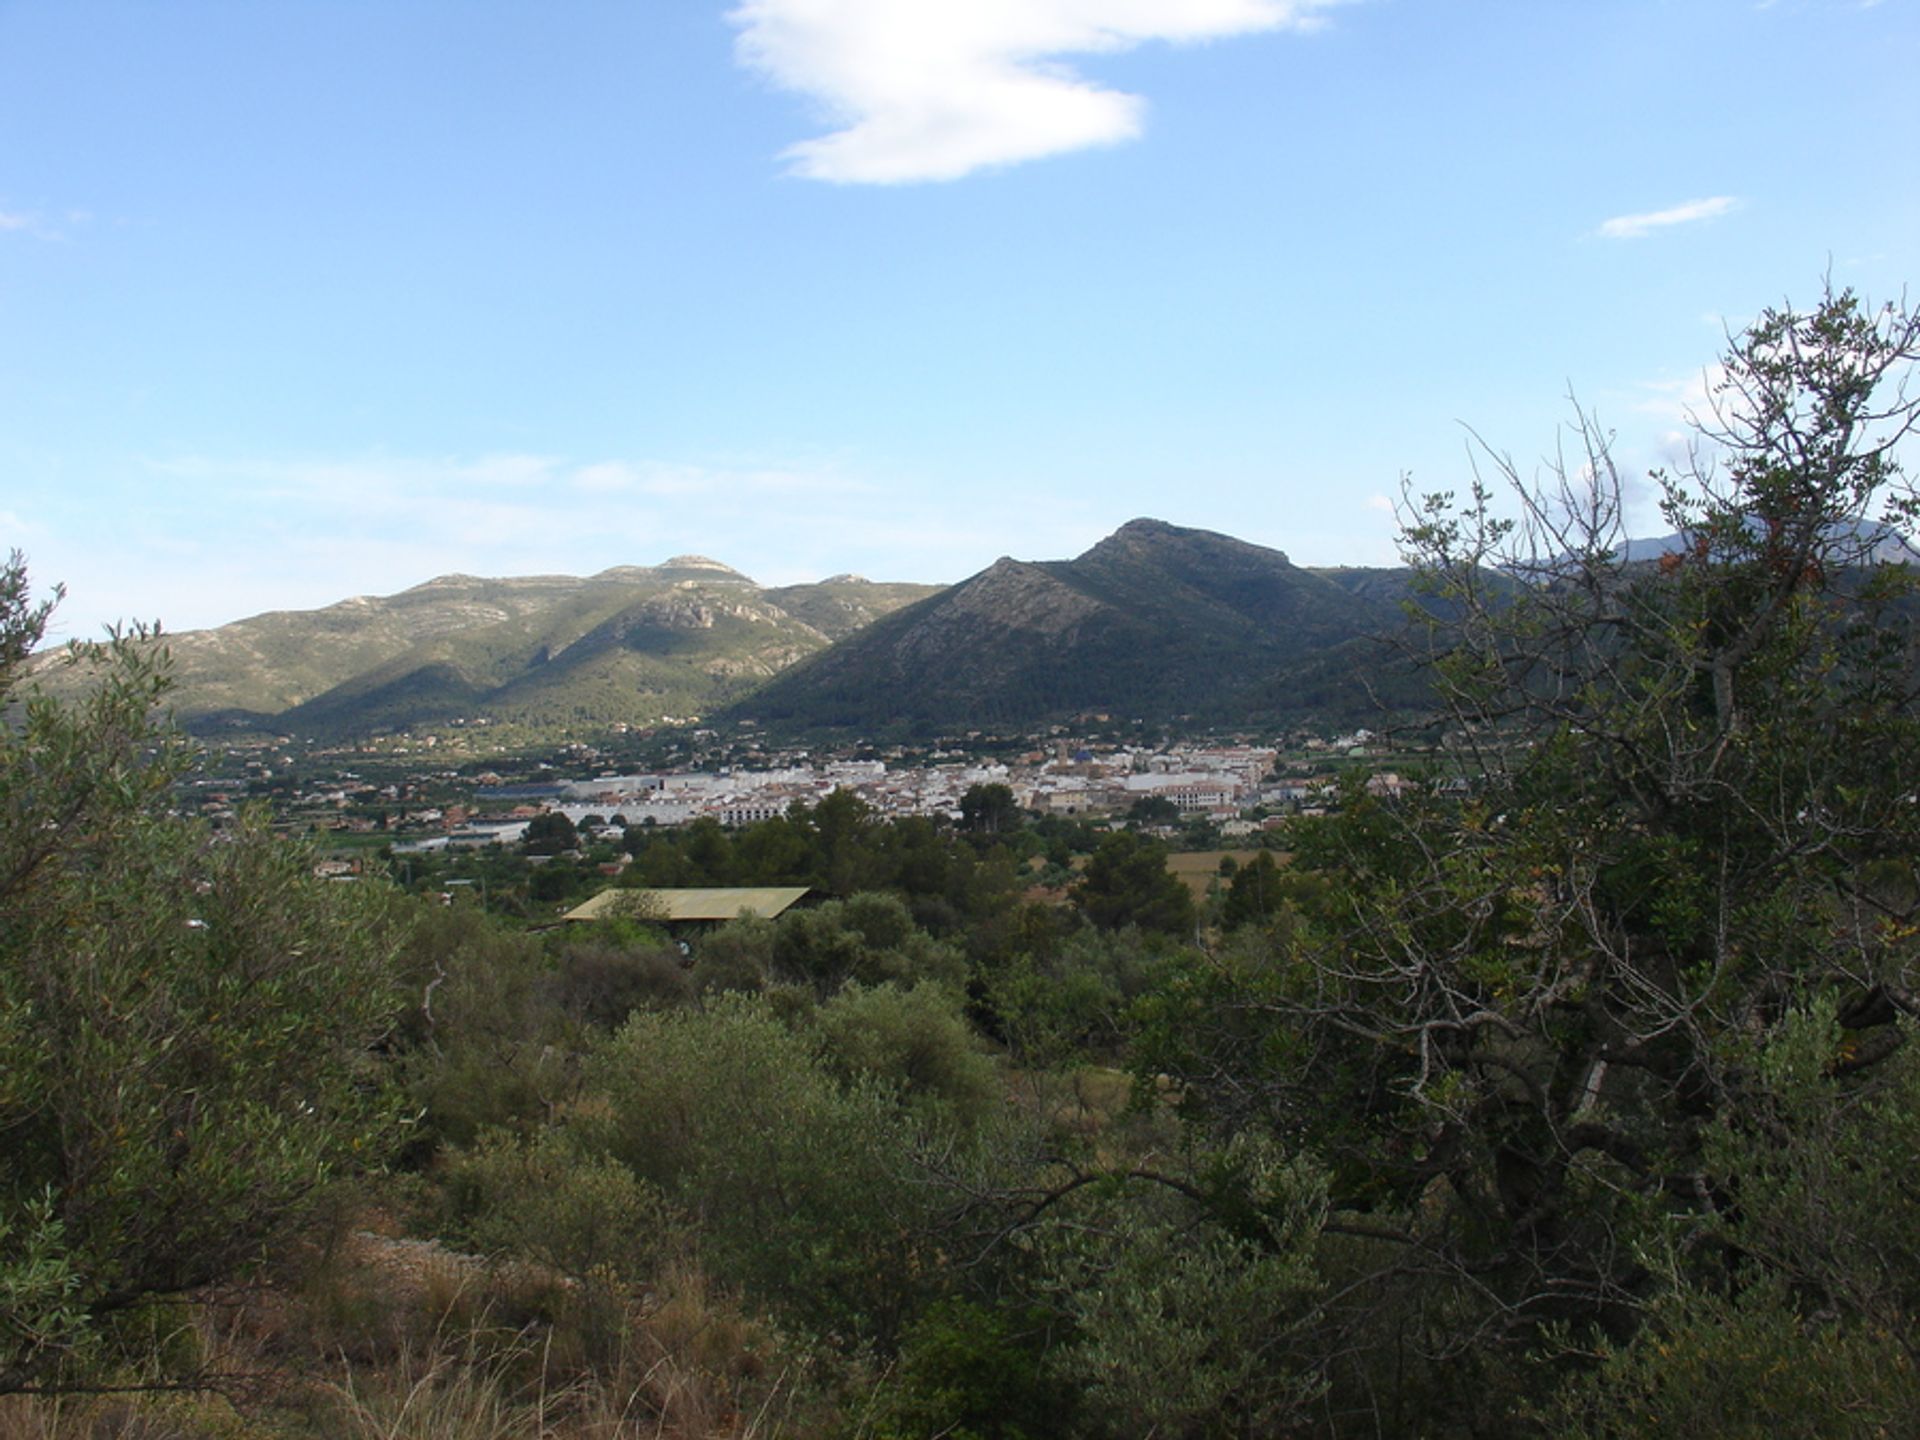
(936, 89)
(42, 225)
(1680, 402)
(1633, 227)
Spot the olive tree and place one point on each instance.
(800, 1186)
(186, 1017)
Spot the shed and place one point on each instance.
(704, 905)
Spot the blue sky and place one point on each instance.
(313, 298)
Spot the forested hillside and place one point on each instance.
(1155, 621)
(1568, 1092)
(626, 646)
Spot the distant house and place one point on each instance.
(752, 812)
(678, 908)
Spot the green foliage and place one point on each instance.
(975, 1372)
(487, 1042)
(1817, 1161)
(187, 1019)
(1747, 1366)
(737, 956)
(41, 1315)
(1126, 882)
(949, 883)
(1805, 1327)
(599, 981)
(1255, 894)
(1512, 1024)
(549, 834)
(203, 1012)
(799, 1184)
(1184, 1325)
(540, 1198)
(866, 938)
(773, 852)
(841, 832)
(558, 882)
(22, 622)
(1153, 810)
(915, 1041)
(1071, 1001)
(989, 809)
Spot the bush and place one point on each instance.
(490, 1045)
(1074, 1004)
(601, 984)
(916, 1042)
(978, 1373)
(187, 1020)
(1186, 1325)
(1747, 1366)
(543, 1199)
(868, 938)
(798, 1185)
(737, 956)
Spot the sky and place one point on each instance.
(304, 299)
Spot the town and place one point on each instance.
(1215, 789)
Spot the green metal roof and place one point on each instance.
(668, 906)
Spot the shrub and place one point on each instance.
(797, 1184)
(915, 1041)
(188, 1021)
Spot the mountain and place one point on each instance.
(1155, 620)
(630, 644)
(1860, 542)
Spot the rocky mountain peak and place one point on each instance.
(702, 562)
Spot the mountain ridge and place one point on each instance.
(630, 644)
(1156, 619)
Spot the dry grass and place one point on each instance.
(1196, 869)
(376, 1338)
(493, 1386)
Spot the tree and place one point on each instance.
(841, 832)
(550, 833)
(869, 938)
(1507, 1021)
(989, 810)
(1153, 810)
(708, 850)
(557, 880)
(186, 1020)
(1255, 893)
(1802, 1327)
(1126, 882)
(772, 852)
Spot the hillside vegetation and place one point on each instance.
(1571, 1095)
(627, 646)
(1154, 621)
